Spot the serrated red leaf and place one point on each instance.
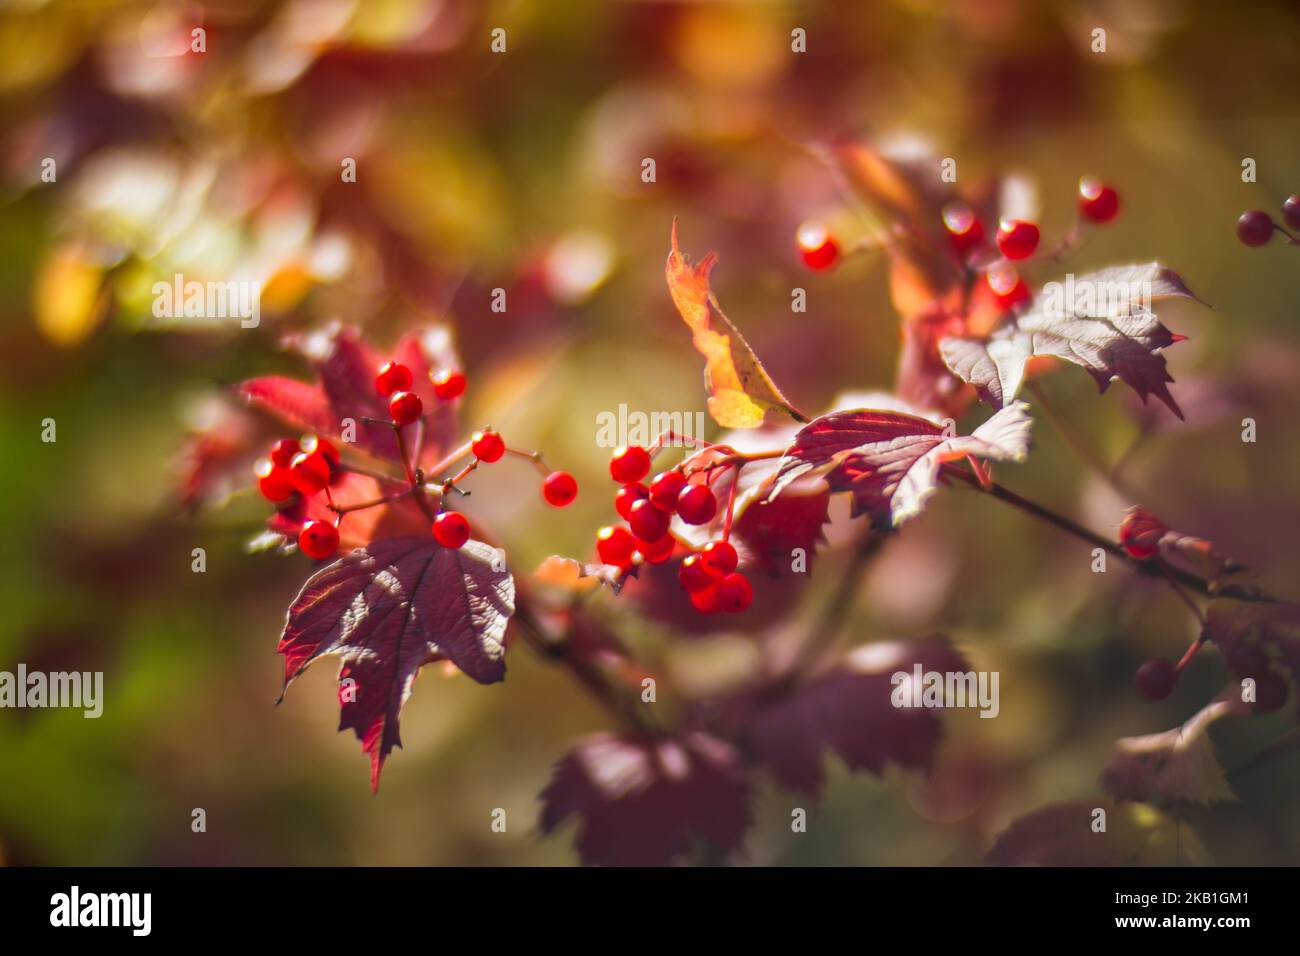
(389, 608)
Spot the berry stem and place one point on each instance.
(731, 501)
(534, 456)
(362, 506)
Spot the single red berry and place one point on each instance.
(706, 600)
(309, 472)
(1017, 239)
(1006, 285)
(488, 446)
(451, 529)
(559, 488)
(629, 463)
(273, 481)
(965, 231)
(657, 552)
(629, 495)
(1255, 228)
(665, 488)
(1291, 211)
(1270, 692)
(282, 452)
(448, 384)
(405, 407)
(318, 539)
(1156, 679)
(735, 592)
(1140, 533)
(694, 576)
(312, 443)
(817, 247)
(648, 522)
(697, 504)
(719, 558)
(1097, 202)
(393, 377)
(615, 545)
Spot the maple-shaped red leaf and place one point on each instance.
(849, 710)
(346, 365)
(388, 609)
(645, 802)
(1100, 321)
(890, 461)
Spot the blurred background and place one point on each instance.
(522, 171)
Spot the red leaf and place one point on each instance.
(643, 802)
(849, 711)
(388, 609)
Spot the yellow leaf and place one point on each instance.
(740, 390)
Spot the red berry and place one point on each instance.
(393, 377)
(735, 592)
(1140, 533)
(311, 443)
(615, 545)
(817, 247)
(559, 488)
(282, 452)
(665, 488)
(318, 539)
(694, 576)
(697, 505)
(649, 523)
(488, 446)
(1156, 679)
(1270, 692)
(1291, 211)
(1255, 228)
(309, 472)
(706, 600)
(1006, 285)
(629, 463)
(657, 552)
(719, 558)
(629, 495)
(965, 231)
(1097, 202)
(1017, 239)
(451, 529)
(405, 407)
(448, 384)
(273, 481)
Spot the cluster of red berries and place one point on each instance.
(1256, 227)
(304, 467)
(710, 576)
(394, 382)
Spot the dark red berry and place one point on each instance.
(694, 576)
(312, 443)
(615, 545)
(1291, 211)
(1097, 202)
(629, 463)
(965, 231)
(719, 558)
(817, 247)
(559, 488)
(648, 522)
(1270, 692)
(273, 481)
(451, 529)
(697, 505)
(1156, 679)
(665, 488)
(1255, 228)
(282, 452)
(309, 472)
(657, 552)
(706, 600)
(1017, 239)
(1140, 533)
(629, 495)
(318, 539)
(735, 592)
(393, 377)
(405, 407)
(488, 446)
(448, 384)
